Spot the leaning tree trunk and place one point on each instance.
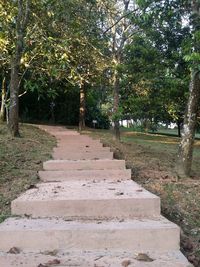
(184, 164)
(82, 108)
(116, 106)
(3, 100)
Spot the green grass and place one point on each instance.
(163, 146)
(152, 159)
(160, 131)
(20, 160)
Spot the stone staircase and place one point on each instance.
(88, 213)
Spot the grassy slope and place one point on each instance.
(20, 159)
(152, 160)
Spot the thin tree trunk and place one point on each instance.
(3, 99)
(184, 164)
(127, 123)
(116, 106)
(82, 108)
(118, 43)
(179, 128)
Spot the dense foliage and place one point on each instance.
(67, 45)
(95, 60)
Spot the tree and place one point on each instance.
(65, 45)
(6, 39)
(21, 27)
(154, 73)
(88, 56)
(186, 146)
(188, 14)
(119, 31)
(77, 45)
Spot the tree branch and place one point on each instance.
(26, 70)
(26, 15)
(122, 17)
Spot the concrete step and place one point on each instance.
(75, 146)
(81, 148)
(82, 155)
(71, 142)
(76, 139)
(91, 175)
(54, 130)
(100, 164)
(51, 127)
(93, 258)
(50, 234)
(88, 200)
(64, 135)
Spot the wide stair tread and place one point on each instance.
(94, 258)
(91, 175)
(80, 148)
(88, 199)
(101, 164)
(50, 234)
(82, 155)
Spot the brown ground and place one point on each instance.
(152, 160)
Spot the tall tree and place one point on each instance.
(186, 146)
(21, 27)
(119, 29)
(188, 14)
(7, 13)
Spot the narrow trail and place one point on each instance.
(87, 212)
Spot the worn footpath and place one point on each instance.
(87, 212)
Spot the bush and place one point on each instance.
(102, 119)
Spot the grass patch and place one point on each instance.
(152, 159)
(20, 160)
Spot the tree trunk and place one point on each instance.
(127, 124)
(118, 43)
(116, 106)
(14, 99)
(186, 146)
(21, 24)
(179, 128)
(3, 99)
(52, 108)
(82, 108)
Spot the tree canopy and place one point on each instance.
(83, 60)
